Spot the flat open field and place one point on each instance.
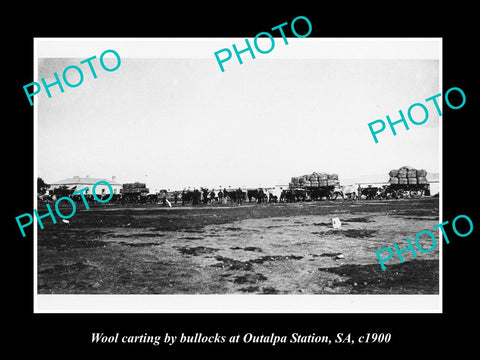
(247, 249)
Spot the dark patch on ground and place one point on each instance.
(232, 228)
(252, 248)
(329, 223)
(133, 235)
(411, 277)
(192, 238)
(359, 233)
(275, 258)
(420, 218)
(249, 278)
(233, 264)
(358, 219)
(249, 289)
(416, 212)
(353, 233)
(329, 254)
(194, 230)
(270, 290)
(195, 251)
(140, 244)
(247, 248)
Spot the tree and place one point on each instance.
(42, 186)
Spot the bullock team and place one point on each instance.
(287, 195)
(259, 195)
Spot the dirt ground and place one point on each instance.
(247, 249)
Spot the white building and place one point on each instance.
(76, 183)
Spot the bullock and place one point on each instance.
(45, 198)
(252, 194)
(259, 195)
(275, 195)
(262, 196)
(388, 192)
(320, 193)
(241, 195)
(350, 191)
(117, 198)
(371, 192)
(213, 196)
(234, 195)
(293, 195)
(187, 196)
(205, 194)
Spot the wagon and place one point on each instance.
(398, 191)
(134, 193)
(320, 192)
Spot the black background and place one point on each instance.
(412, 334)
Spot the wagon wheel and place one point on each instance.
(417, 193)
(413, 193)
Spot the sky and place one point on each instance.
(175, 122)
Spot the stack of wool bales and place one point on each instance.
(408, 175)
(135, 187)
(315, 179)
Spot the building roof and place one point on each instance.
(76, 180)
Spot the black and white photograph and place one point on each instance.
(282, 181)
(227, 180)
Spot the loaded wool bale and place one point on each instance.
(322, 176)
(332, 182)
(393, 173)
(315, 179)
(422, 180)
(402, 173)
(408, 175)
(412, 180)
(393, 180)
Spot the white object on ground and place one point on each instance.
(336, 223)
